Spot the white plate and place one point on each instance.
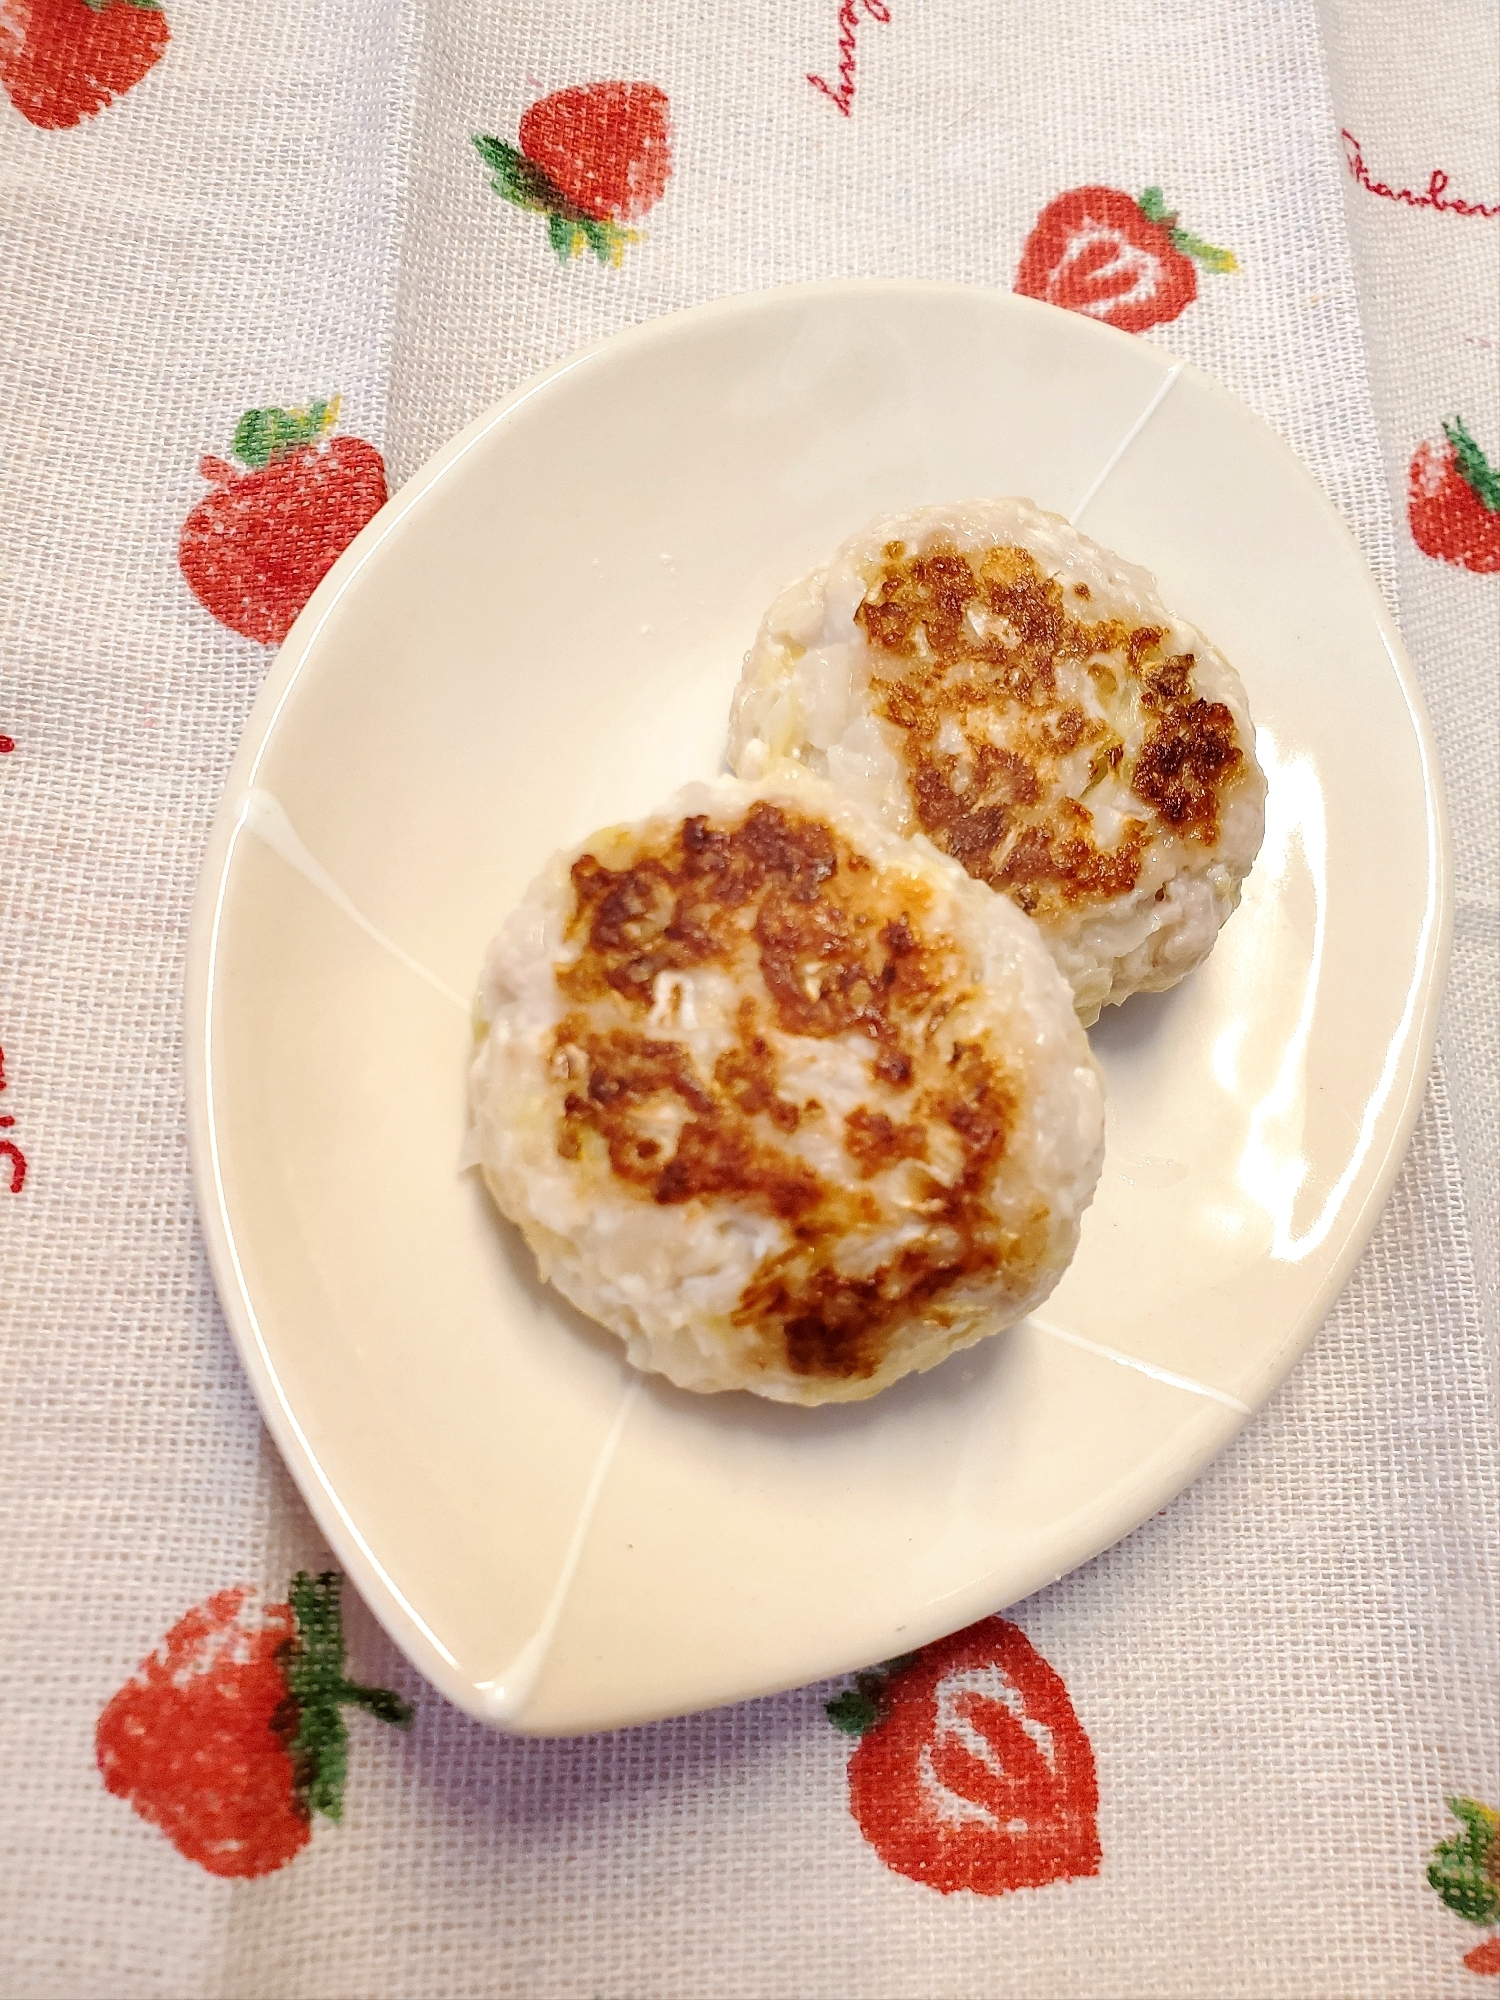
(540, 635)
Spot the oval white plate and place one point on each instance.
(540, 635)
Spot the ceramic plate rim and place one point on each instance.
(338, 1526)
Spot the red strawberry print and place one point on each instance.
(606, 145)
(1099, 252)
(972, 1770)
(1465, 1871)
(230, 1736)
(63, 60)
(591, 159)
(1453, 501)
(255, 549)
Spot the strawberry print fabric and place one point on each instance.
(1453, 501)
(229, 1737)
(973, 1771)
(64, 60)
(406, 208)
(1104, 254)
(255, 549)
(591, 158)
(191, 1739)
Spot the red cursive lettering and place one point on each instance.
(8, 1148)
(841, 94)
(1436, 195)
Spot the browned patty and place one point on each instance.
(823, 945)
(1008, 825)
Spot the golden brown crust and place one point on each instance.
(973, 635)
(874, 1140)
(1190, 750)
(819, 945)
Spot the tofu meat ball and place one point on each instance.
(987, 676)
(787, 1101)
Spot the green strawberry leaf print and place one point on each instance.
(1153, 205)
(1465, 1869)
(857, 1710)
(263, 436)
(514, 178)
(313, 1668)
(1481, 478)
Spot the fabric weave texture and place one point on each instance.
(1284, 1674)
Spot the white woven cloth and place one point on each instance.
(1282, 1676)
